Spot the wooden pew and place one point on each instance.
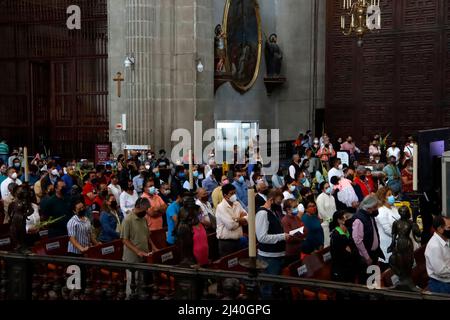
(314, 266)
(168, 256)
(52, 246)
(231, 261)
(158, 239)
(5, 238)
(109, 251)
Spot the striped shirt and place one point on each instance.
(80, 229)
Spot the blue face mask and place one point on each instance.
(329, 190)
(181, 175)
(295, 212)
(241, 179)
(391, 200)
(303, 180)
(152, 190)
(157, 174)
(195, 174)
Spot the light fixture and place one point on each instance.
(129, 62)
(364, 15)
(200, 66)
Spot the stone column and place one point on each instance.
(164, 92)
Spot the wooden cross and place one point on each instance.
(118, 79)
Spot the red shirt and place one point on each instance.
(364, 186)
(88, 188)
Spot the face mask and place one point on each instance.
(152, 190)
(329, 190)
(316, 141)
(17, 165)
(157, 174)
(147, 167)
(295, 212)
(350, 177)
(446, 234)
(241, 179)
(81, 213)
(195, 174)
(94, 181)
(362, 177)
(181, 175)
(55, 173)
(303, 180)
(14, 176)
(233, 198)
(150, 157)
(292, 188)
(341, 167)
(113, 204)
(167, 192)
(391, 200)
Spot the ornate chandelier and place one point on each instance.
(360, 17)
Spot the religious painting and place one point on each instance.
(242, 27)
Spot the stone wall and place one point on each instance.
(164, 92)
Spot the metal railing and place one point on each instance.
(33, 277)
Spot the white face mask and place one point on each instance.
(341, 167)
(147, 167)
(233, 198)
(14, 176)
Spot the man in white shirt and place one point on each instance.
(336, 171)
(206, 213)
(12, 177)
(409, 149)
(115, 188)
(294, 168)
(230, 217)
(393, 151)
(437, 255)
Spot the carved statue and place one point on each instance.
(402, 248)
(274, 56)
(219, 45)
(19, 211)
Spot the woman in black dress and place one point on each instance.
(343, 250)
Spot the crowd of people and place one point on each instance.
(314, 203)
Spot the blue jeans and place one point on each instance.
(436, 286)
(274, 266)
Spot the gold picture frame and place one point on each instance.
(243, 88)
